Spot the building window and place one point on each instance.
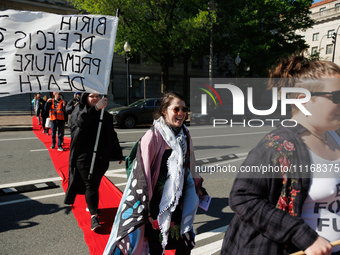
(330, 33)
(322, 9)
(337, 6)
(316, 37)
(329, 49)
(314, 50)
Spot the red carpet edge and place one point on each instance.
(109, 195)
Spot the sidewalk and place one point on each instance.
(15, 121)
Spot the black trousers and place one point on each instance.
(92, 185)
(43, 122)
(155, 247)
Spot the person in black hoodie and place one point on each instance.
(73, 103)
(83, 123)
(44, 115)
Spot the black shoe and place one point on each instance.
(60, 149)
(47, 133)
(94, 222)
(52, 146)
(44, 132)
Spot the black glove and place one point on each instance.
(189, 240)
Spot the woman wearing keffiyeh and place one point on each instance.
(161, 198)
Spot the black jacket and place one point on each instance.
(71, 105)
(84, 122)
(264, 223)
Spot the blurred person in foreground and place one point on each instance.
(159, 203)
(297, 211)
(84, 122)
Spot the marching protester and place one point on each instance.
(296, 211)
(33, 100)
(160, 200)
(73, 103)
(56, 109)
(84, 122)
(37, 107)
(44, 114)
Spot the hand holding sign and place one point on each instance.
(319, 239)
(102, 103)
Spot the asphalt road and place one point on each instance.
(39, 223)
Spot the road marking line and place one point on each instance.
(42, 197)
(212, 136)
(208, 249)
(121, 184)
(9, 190)
(31, 199)
(131, 132)
(115, 171)
(9, 185)
(28, 188)
(123, 143)
(228, 161)
(241, 154)
(126, 143)
(237, 154)
(211, 233)
(16, 139)
(116, 175)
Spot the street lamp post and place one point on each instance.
(212, 7)
(144, 78)
(127, 49)
(237, 62)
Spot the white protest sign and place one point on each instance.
(49, 52)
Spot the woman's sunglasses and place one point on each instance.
(177, 109)
(335, 95)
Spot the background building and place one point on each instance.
(326, 15)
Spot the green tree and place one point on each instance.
(262, 31)
(159, 29)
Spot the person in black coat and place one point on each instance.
(73, 103)
(44, 114)
(84, 122)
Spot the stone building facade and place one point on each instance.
(326, 15)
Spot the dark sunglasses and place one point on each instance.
(335, 95)
(184, 109)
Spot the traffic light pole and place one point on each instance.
(334, 42)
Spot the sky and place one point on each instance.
(315, 1)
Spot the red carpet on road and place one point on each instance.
(109, 195)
